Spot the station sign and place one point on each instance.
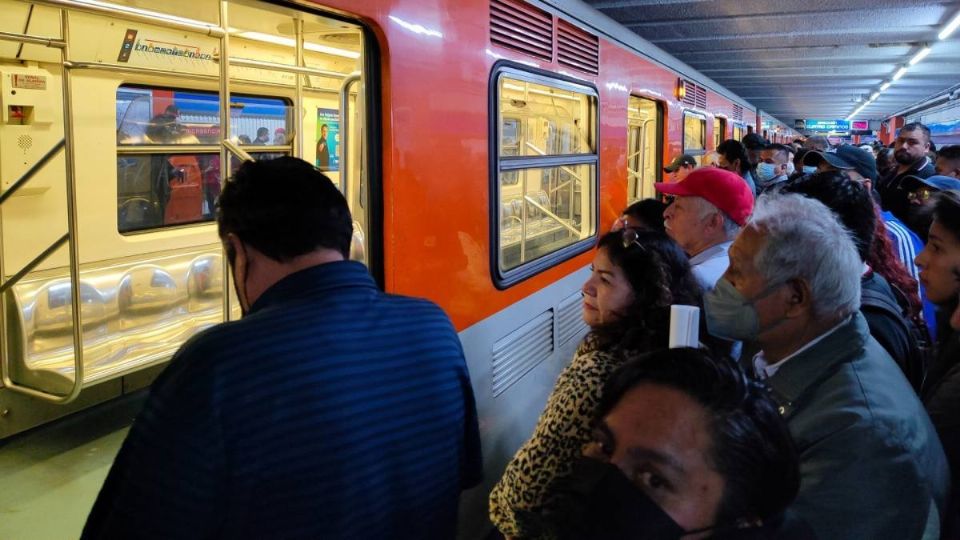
(860, 125)
(813, 124)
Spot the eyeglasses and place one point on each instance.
(921, 195)
(632, 238)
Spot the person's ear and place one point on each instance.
(799, 298)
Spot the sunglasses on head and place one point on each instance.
(632, 238)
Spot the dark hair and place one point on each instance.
(916, 126)
(284, 208)
(262, 131)
(849, 200)
(649, 212)
(885, 262)
(732, 150)
(779, 149)
(946, 211)
(751, 447)
(660, 275)
(798, 158)
(172, 109)
(950, 152)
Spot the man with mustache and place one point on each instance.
(910, 152)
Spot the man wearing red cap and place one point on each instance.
(709, 208)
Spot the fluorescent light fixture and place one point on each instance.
(920, 55)
(874, 96)
(884, 86)
(290, 42)
(900, 73)
(951, 26)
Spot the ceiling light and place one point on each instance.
(900, 72)
(920, 55)
(951, 26)
(884, 86)
(874, 96)
(290, 42)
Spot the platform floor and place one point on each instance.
(50, 476)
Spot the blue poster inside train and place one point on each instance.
(328, 138)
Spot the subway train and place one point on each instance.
(483, 146)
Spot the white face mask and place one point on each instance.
(809, 169)
(790, 168)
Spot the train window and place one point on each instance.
(719, 131)
(160, 182)
(644, 140)
(737, 131)
(694, 135)
(547, 171)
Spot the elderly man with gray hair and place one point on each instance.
(870, 462)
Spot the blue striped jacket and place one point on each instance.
(331, 410)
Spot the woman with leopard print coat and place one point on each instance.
(636, 276)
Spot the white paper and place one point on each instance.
(684, 326)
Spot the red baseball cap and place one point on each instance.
(722, 188)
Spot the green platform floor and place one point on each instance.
(50, 476)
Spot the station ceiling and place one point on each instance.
(806, 59)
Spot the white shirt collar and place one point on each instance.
(711, 252)
(765, 371)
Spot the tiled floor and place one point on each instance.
(49, 477)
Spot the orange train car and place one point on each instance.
(483, 145)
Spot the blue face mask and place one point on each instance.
(766, 172)
(807, 169)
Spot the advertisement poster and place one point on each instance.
(328, 137)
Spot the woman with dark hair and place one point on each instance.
(636, 276)
(734, 158)
(732, 471)
(939, 264)
(646, 215)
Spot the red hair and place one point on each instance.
(883, 261)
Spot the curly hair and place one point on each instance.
(660, 275)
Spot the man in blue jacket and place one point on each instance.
(330, 410)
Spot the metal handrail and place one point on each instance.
(551, 215)
(345, 131)
(70, 239)
(225, 146)
(33, 40)
(32, 171)
(6, 285)
(135, 14)
(287, 68)
(236, 150)
(152, 149)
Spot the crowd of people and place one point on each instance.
(822, 402)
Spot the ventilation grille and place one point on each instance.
(738, 113)
(577, 49)
(694, 95)
(516, 25)
(570, 323)
(520, 351)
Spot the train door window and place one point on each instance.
(546, 174)
(168, 152)
(719, 131)
(644, 144)
(694, 135)
(737, 132)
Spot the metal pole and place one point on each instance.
(298, 110)
(225, 135)
(36, 40)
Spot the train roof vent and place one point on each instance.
(517, 25)
(578, 49)
(701, 97)
(693, 94)
(738, 113)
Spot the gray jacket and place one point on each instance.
(871, 465)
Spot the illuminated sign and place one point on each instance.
(827, 125)
(860, 125)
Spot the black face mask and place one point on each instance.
(598, 502)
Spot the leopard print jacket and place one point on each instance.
(518, 499)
